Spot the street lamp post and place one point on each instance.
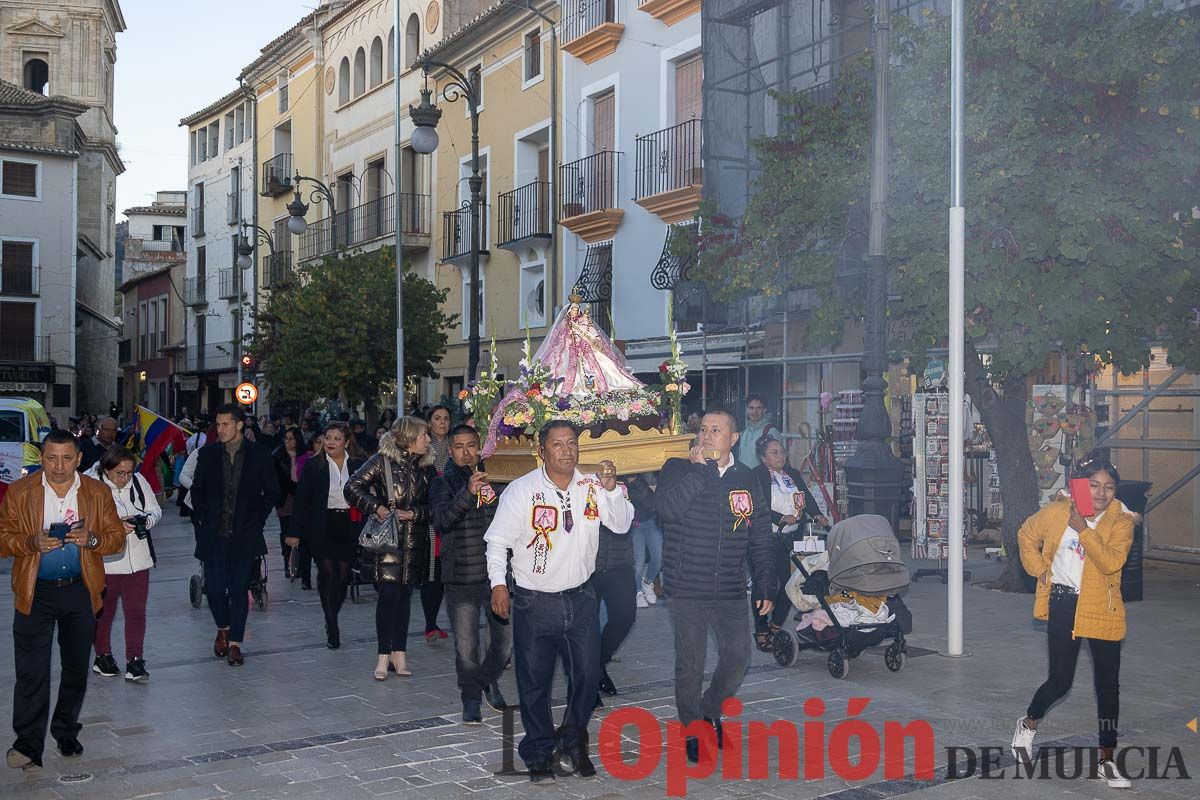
(874, 476)
(298, 208)
(425, 141)
(245, 260)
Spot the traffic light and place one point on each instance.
(247, 360)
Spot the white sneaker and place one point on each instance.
(641, 601)
(648, 591)
(1109, 772)
(1022, 740)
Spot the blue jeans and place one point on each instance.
(465, 602)
(546, 627)
(647, 535)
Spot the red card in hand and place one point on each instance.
(1081, 493)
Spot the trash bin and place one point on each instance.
(1133, 495)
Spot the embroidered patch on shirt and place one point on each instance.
(485, 496)
(742, 506)
(590, 509)
(544, 521)
(798, 502)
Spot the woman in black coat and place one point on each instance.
(792, 505)
(324, 522)
(405, 452)
(287, 471)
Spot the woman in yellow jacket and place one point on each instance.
(1078, 563)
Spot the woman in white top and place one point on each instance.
(127, 574)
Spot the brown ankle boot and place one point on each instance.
(221, 645)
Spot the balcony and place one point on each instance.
(524, 213)
(277, 175)
(588, 204)
(225, 282)
(669, 12)
(590, 29)
(367, 222)
(198, 222)
(669, 172)
(154, 249)
(195, 292)
(456, 233)
(233, 210)
(277, 270)
(31, 349)
(216, 356)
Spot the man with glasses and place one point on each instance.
(93, 448)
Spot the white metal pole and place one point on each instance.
(954, 566)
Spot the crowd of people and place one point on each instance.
(557, 562)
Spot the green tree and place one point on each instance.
(1082, 169)
(332, 331)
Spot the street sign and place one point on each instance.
(246, 393)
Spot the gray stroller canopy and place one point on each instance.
(864, 557)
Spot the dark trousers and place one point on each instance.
(464, 603)
(692, 618)
(615, 589)
(1064, 653)
(783, 571)
(546, 627)
(391, 616)
(431, 602)
(131, 592)
(227, 585)
(70, 608)
(303, 557)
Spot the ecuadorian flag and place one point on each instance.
(158, 434)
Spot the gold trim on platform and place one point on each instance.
(635, 452)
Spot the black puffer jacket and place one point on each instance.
(705, 547)
(616, 549)
(367, 490)
(462, 519)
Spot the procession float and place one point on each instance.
(579, 376)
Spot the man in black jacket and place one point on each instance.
(463, 504)
(233, 493)
(714, 514)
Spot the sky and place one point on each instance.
(175, 58)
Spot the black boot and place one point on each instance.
(606, 684)
(333, 636)
(716, 723)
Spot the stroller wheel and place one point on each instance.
(839, 664)
(196, 591)
(786, 648)
(894, 656)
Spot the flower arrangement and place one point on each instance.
(480, 397)
(673, 375)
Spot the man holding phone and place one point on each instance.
(57, 525)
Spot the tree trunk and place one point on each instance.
(1004, 417)
(371, 412)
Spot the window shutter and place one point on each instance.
(17, 261)
(20, 179)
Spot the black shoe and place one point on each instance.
(306, 586)
(472, 713)
(716, 723)
(333, 636)
(70, 747)
(584, 768)
(106, 665)
(693, 749)
(606, 684)
(494, 699)
(599, 703)
(543, 775)
(135, 671)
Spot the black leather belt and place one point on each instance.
(58, 583)
(563, 593)
(1059, 591)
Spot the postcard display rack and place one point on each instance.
(845, 442)
(931, 482)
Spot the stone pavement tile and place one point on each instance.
(385, 786)
(45, 793)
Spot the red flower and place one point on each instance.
(535, 387)
(664, 367)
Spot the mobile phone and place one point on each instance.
(58, 530)
(1081, 493)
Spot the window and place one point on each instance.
(18, 332)
(214, 139)
(689, 80)
(412, 41)
(344, 82)
(239, 124)
(17, 273)
(391, 53)
(229, 131)
(162, 322)
(12, 426)
(36, 76)
(283, 91)
(604, 120)
(533, 55)
(466, 304)
(360, 72)
(376, 62)
(19, 179)
(533, 296)
(201, 145)
(192, 148)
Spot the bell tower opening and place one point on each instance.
(36, 77)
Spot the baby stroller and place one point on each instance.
(258, 585)
(864, 557)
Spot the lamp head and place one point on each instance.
(425, 118)
(297, 209)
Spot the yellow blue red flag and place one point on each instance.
(158, 435)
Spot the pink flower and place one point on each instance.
(637, 407)
(587, 416)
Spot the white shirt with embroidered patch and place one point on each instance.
(531, 521)
(1067, 568)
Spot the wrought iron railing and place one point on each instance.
(277, 269)
(227, 285)
(364, 223)
(195, 291)
(669, 159)
(136, 247)
(456, 231)
(524, 212)
(211, 356)
(277, 175)
(589, 184)
(25, 348)
(581, 16)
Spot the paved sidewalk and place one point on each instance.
(299, 720)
